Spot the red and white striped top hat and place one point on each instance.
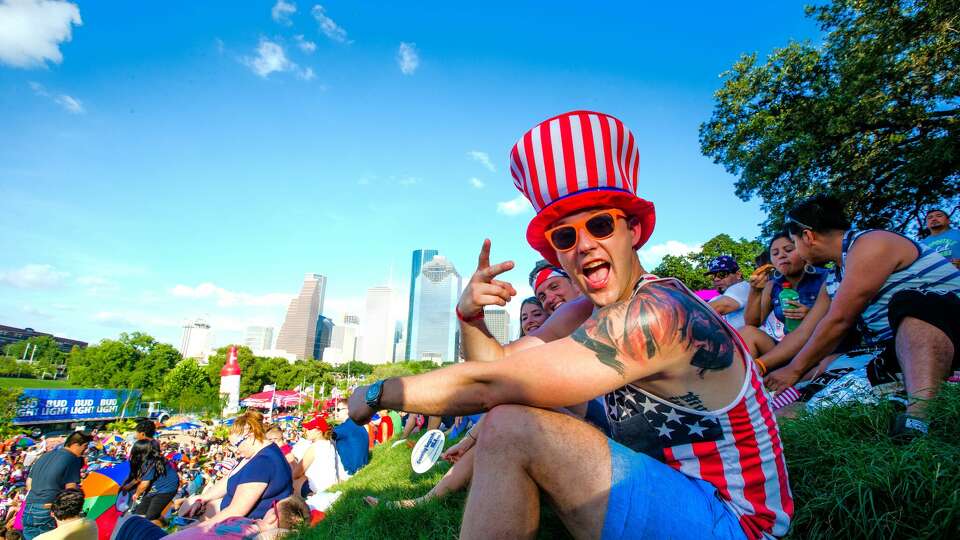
(578, 160)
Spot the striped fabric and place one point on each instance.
(786, 397)
(737, 449)
(930, 272)
(572, 152)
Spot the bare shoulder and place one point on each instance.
(565, 320)
(884, 245)
(661, 323)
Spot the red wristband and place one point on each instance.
(476, 317)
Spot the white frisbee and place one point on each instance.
(427, 451)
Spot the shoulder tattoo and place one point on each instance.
(659, 316)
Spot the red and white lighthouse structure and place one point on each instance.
(230, 382)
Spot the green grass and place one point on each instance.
(14, 382)
(849, 480)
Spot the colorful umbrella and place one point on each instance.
(100, 489)
(25, 442)
(183, 426)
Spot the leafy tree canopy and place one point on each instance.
(872, 115)
(690, 268)
(46, 351)
(133, 361)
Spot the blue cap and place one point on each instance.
(723, 263)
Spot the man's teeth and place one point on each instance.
(593, 265)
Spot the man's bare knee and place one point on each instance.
(504, 424)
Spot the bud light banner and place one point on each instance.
(44, 406)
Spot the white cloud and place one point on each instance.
(514, 207)
(31, 31)
(306, 74)
(36, 312)
(477, 183)
(407, 58)
(34, 276)
(305, 45)
(483, 158)
(136, 321)
(408, 180)
(651, 255)
(97, 285)
(227, 298)
(69, 103)
(282, 11)
(270, 58)
(328, 26)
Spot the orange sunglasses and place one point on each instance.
(599, 225)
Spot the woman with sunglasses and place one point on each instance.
(252, 487)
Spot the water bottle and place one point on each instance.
(788, 293)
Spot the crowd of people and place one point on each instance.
(262, 481)
(636, 408)
(629, 403)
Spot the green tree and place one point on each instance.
(355, 368)
(872, 115)
(8, 409)
(134, 361)
(188, 388)
(46, 356)
(257, 372)
(691, 268)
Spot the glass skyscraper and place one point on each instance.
(433, 332)
(420, 258)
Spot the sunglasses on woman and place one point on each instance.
(599, 225)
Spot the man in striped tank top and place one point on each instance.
(901, 295)
(694, 450)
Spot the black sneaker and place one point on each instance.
(906, 428)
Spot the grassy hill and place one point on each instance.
(849, 480)
(14, 382)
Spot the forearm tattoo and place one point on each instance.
(658, 317)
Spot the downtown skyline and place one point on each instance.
(153, 174)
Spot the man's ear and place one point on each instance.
(636, 230)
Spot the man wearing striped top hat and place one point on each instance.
(694, 450)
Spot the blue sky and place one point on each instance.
(174, 160)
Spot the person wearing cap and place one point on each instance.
(552, 286)
(320, 462)
(734, 291)
(694, 450)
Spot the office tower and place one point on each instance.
(420, 257)
(259, 338)
(433, 332)
(196, 340)
(498, 323)
(343, 341)
(324, 335)
(377, 344)
(397, 339)
(299, 330)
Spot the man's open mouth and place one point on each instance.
(597, 274)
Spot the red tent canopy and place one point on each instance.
(281, 398)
